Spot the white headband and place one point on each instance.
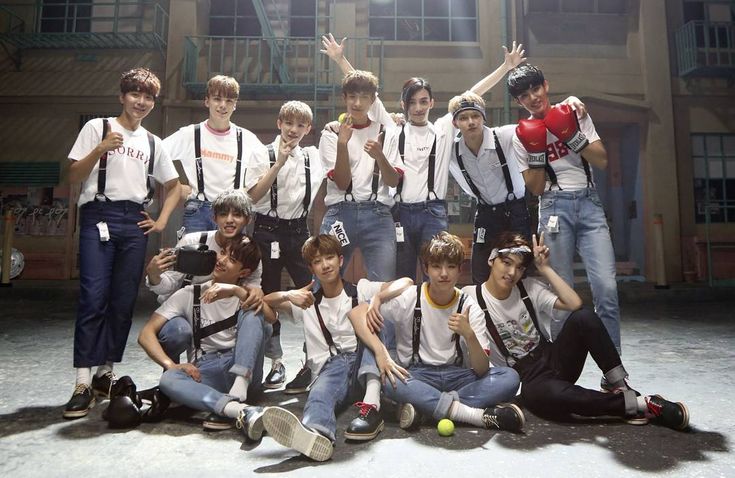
(520, 250)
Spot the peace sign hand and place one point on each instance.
(540, 252)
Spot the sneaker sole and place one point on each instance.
(365, 436)
(637, 421)
(685, 411)
(79, 413)
(256, 429)
(407, 418)
(519, 412)
(216, 426)
(272, 386)
(287, 430)
(295, 391)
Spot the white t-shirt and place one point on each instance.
(171, 281)
(219, 157)
(291, 180)
(437, 346)
(485, 170)
(181, 304)
(334, 313)
(361, 164)
(513, 321)
(415, 162)
(566, 163)
(127, 166)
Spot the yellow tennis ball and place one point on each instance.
(342, 117)
(445, 427)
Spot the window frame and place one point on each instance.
(721, 205)
(450, 19)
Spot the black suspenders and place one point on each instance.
(376, 175)
(274, 187)
(102, 170)
(432, 167)
(552, 175)
(351, 291)
(503, 164)
(494, 330)
(416, 331)
(188, 278)
(200, 332)
(198, 161)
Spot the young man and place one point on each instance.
(570, 212)
(214, 154)
(485, 165)
(361, 162)
(226, 360)
(232, 212)
(292, 176)
(425, 149)
(441, 340)
(116, 160)
(333, 354)
(518, 314)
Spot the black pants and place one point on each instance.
(290, 235)
(548, 377)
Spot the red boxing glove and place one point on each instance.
(532, 133)
(562, 122)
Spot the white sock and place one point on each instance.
(641, 402)
(462, 413)
(233, 408)
(103, 369)
(372, 390)
(84, 376)
(240, 388)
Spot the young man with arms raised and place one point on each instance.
(118, 162)
(518, 314)
(342, 367)
(225, 364)
(441, 341)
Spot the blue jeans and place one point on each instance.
(198, 216)
(432, 389)
(109, 275)
(369, 226)
(512, 216)
(175, 337)
(218, 369)
(583, 228)
(337, 385)
(420, 222)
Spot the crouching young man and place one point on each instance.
(441, 340)
(518, 314)
(333, 352)
(226, 358)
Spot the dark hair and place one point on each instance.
(323, 244)
(411, 87)
(141, 80)
(523, 78)
(244, 250)
(508, 239)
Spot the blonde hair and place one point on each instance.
(295, 110)
(442, 247)
(222, 85)
(467, 96)
(360, 81)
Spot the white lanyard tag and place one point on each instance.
(399, 232)
(104, 232)
(480, 239)
(338, 231)
(275, 250)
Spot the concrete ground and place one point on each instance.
(678, 343)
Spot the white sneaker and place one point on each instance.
(287, 429)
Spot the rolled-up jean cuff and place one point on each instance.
(241, 371)
(445, 401)
(631, 403)
(616, 374)
(219, 407)
(365, 370)
(331, 434)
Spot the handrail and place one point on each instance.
(704, 44)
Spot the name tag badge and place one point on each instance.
(104, 232)
(553, 225)
(480, 235)
(275, 250)
(399, 232)
(338, 231)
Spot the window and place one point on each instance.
(713, 11)
(424, 20)
(578, 6)
(302, 18)
(233, 18)
(66, 16)
(714, 177)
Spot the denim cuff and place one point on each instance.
(616, 374)
(219, 406)
(442, 407)
(331, 434)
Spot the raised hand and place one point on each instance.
(540, 251)
(302, 298)
(459, 323)
(164, 261)
(375, 147)
(112, 141)
(345, 130)
(285, 148)
(514, 57)
(332, 49)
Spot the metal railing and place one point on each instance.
(706, 48)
